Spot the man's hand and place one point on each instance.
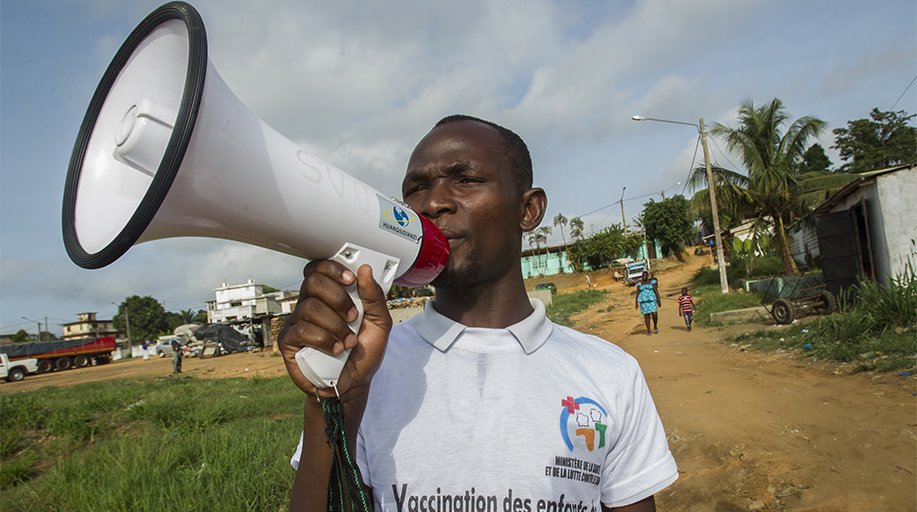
(320, 321)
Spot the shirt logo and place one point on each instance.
(583, 419)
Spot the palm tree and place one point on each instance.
(575, 251)
(576, 229)
(543, 233)
(774, 188)
(561, 221)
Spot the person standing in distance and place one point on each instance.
(648, 301)
(480, 395)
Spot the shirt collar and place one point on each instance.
(441, 332)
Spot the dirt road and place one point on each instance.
(750, 431)
(764, 431)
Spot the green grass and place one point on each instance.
(158, 444)
(567, 304)
(710, 299)
(877, 332)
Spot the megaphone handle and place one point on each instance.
(321, 369)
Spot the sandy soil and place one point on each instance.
(750, 431)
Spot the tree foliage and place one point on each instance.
(602, 248)
(815, 160)
(21, 336)
(668, 221)
(884, 140)
(776, 187)
(560, 221)
(147, 317)
(182, 317)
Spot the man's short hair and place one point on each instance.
(513, 147)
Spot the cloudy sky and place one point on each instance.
(358, 83)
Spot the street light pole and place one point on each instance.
(623, 218)
(37, 323)
(711, 189)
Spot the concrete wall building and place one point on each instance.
(88, 326)
(242, 302)
(866, 229)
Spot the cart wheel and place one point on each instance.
(828, 303)
(783, 311)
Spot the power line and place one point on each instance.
(691, 167)
(717, 146)
(903, 92)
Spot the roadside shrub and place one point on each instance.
(876, 332)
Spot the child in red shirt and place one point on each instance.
(686, 307)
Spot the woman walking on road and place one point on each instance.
(648, 301)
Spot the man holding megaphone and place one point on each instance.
(480, 402)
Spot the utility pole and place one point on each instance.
(711, 189)
(127, 323)
(623, 218)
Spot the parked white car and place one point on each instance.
(14, 371)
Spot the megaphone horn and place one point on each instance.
(167, 150)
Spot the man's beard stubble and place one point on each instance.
(459, 275)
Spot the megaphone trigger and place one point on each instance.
(321, 369)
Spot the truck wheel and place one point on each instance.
(16, 375)
(103, 360)
(783, 312)
(81, 361)
(45, 366)
(64, 363)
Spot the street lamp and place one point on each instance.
(623, 219)
(662, 193)
(37, 323)
(711, 188)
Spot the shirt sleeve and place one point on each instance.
(639, 463)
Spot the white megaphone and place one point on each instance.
(167, 150)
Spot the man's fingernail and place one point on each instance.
(352, 314)
(350, 341)
(337, 348)
(348, 276)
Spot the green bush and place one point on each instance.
(710, 298)
(877, 331)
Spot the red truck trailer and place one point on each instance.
(63, 354)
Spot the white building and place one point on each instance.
(242, 302)
(866, 229)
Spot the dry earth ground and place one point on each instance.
(749, 430)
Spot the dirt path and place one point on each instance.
(750, 431)
(763, 431)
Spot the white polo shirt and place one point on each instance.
(534, 417)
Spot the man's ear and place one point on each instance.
(534, 204)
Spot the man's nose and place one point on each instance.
(439, 200)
